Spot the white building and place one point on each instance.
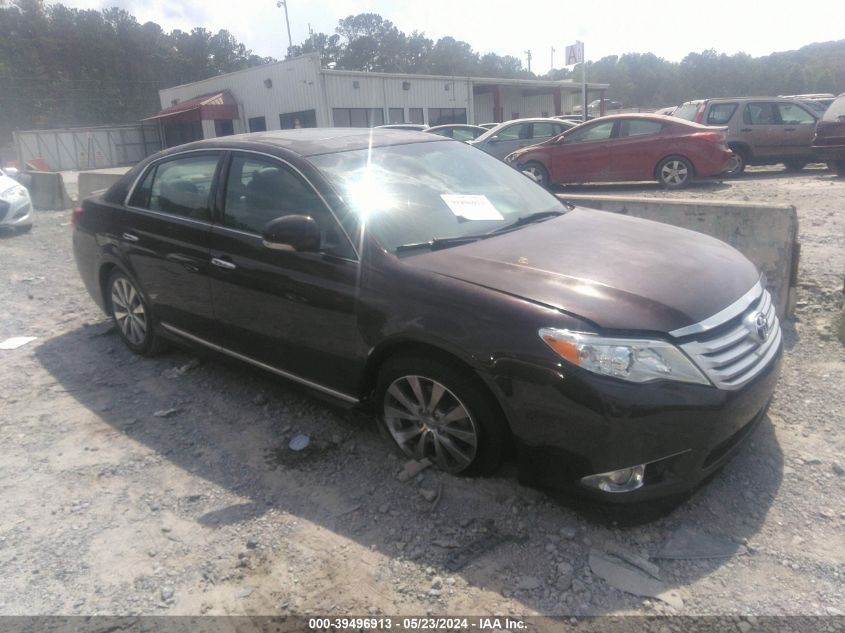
(299, 93)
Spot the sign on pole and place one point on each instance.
(575, 55)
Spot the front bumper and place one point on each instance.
(579, 424)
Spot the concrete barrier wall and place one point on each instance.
(91, 181)
(766, 234)
(47, 190)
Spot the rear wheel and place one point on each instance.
(537, 172)
(674, 172)
(795, 165)
(435, 411)
(738, 162)
(132, 315)
(837, 167)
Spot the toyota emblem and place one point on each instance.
(758, 326)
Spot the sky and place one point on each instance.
(612, 27)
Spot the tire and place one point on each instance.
(674, 172)
(837, 167)
(795, 165)
(738, 162)
(463, 432)
(537, 172)
(132, 315)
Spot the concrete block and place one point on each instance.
(47, 190)
(90, 181)
(766, 234)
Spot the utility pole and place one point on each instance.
(284, 3)
(552, 66)
(528, 53)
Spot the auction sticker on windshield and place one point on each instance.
(471, 207)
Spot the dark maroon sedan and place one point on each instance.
(473, 311)
(627, 147)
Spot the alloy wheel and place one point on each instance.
(128, 310)
(674, 173)
(427, 420)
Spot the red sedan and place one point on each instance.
(627, 147)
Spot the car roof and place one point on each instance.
(313, 141)
(463, 125)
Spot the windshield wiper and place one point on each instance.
(441, 242)
(528, 219)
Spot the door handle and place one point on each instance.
(223, 263)
(745, 129)
(129, 237)
(790, 129)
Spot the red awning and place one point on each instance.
(218, 105)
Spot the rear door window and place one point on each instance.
(515, 132)
(180, 187)
(720, 113)
(639, 127)
(761, 113)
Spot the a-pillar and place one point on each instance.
(601, 103)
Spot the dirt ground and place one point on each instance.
(166, 485)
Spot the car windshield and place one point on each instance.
(408, 194)
(687, 111)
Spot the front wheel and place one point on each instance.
(537, 172)
(674, 172)
(435, 411)
(131, 314)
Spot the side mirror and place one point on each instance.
(292, 233)
(493, 139)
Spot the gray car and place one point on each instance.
(511, 135)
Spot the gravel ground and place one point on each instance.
(165, 486)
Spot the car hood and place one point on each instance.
(7, 183)
(618, 272)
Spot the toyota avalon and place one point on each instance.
(473, 311)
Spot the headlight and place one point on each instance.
(510, 158)
(636, 360)
(15, 191)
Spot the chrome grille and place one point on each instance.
(731, 357)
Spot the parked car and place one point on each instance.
(829, 140)
(666, 111)
(627, 147)
(15, 204)
(595, 106)
(458, 131)
(473, 322)
(511, 135)
(761, 130)
(488, 126)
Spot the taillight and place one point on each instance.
(714, 137)
(699, 116)
(76, 216)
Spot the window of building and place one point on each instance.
(396, 115)
(303, 118)
(357, 117)
(415, 115)
(179, 187)
(257, 124)
(224, 127)
(442, 116)
(179, 133)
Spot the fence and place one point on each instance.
(88, 147)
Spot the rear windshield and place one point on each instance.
(687, 111)
(836, 111)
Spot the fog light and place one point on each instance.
(623, 480)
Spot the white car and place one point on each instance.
(15, 204)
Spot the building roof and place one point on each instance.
(215, 105)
